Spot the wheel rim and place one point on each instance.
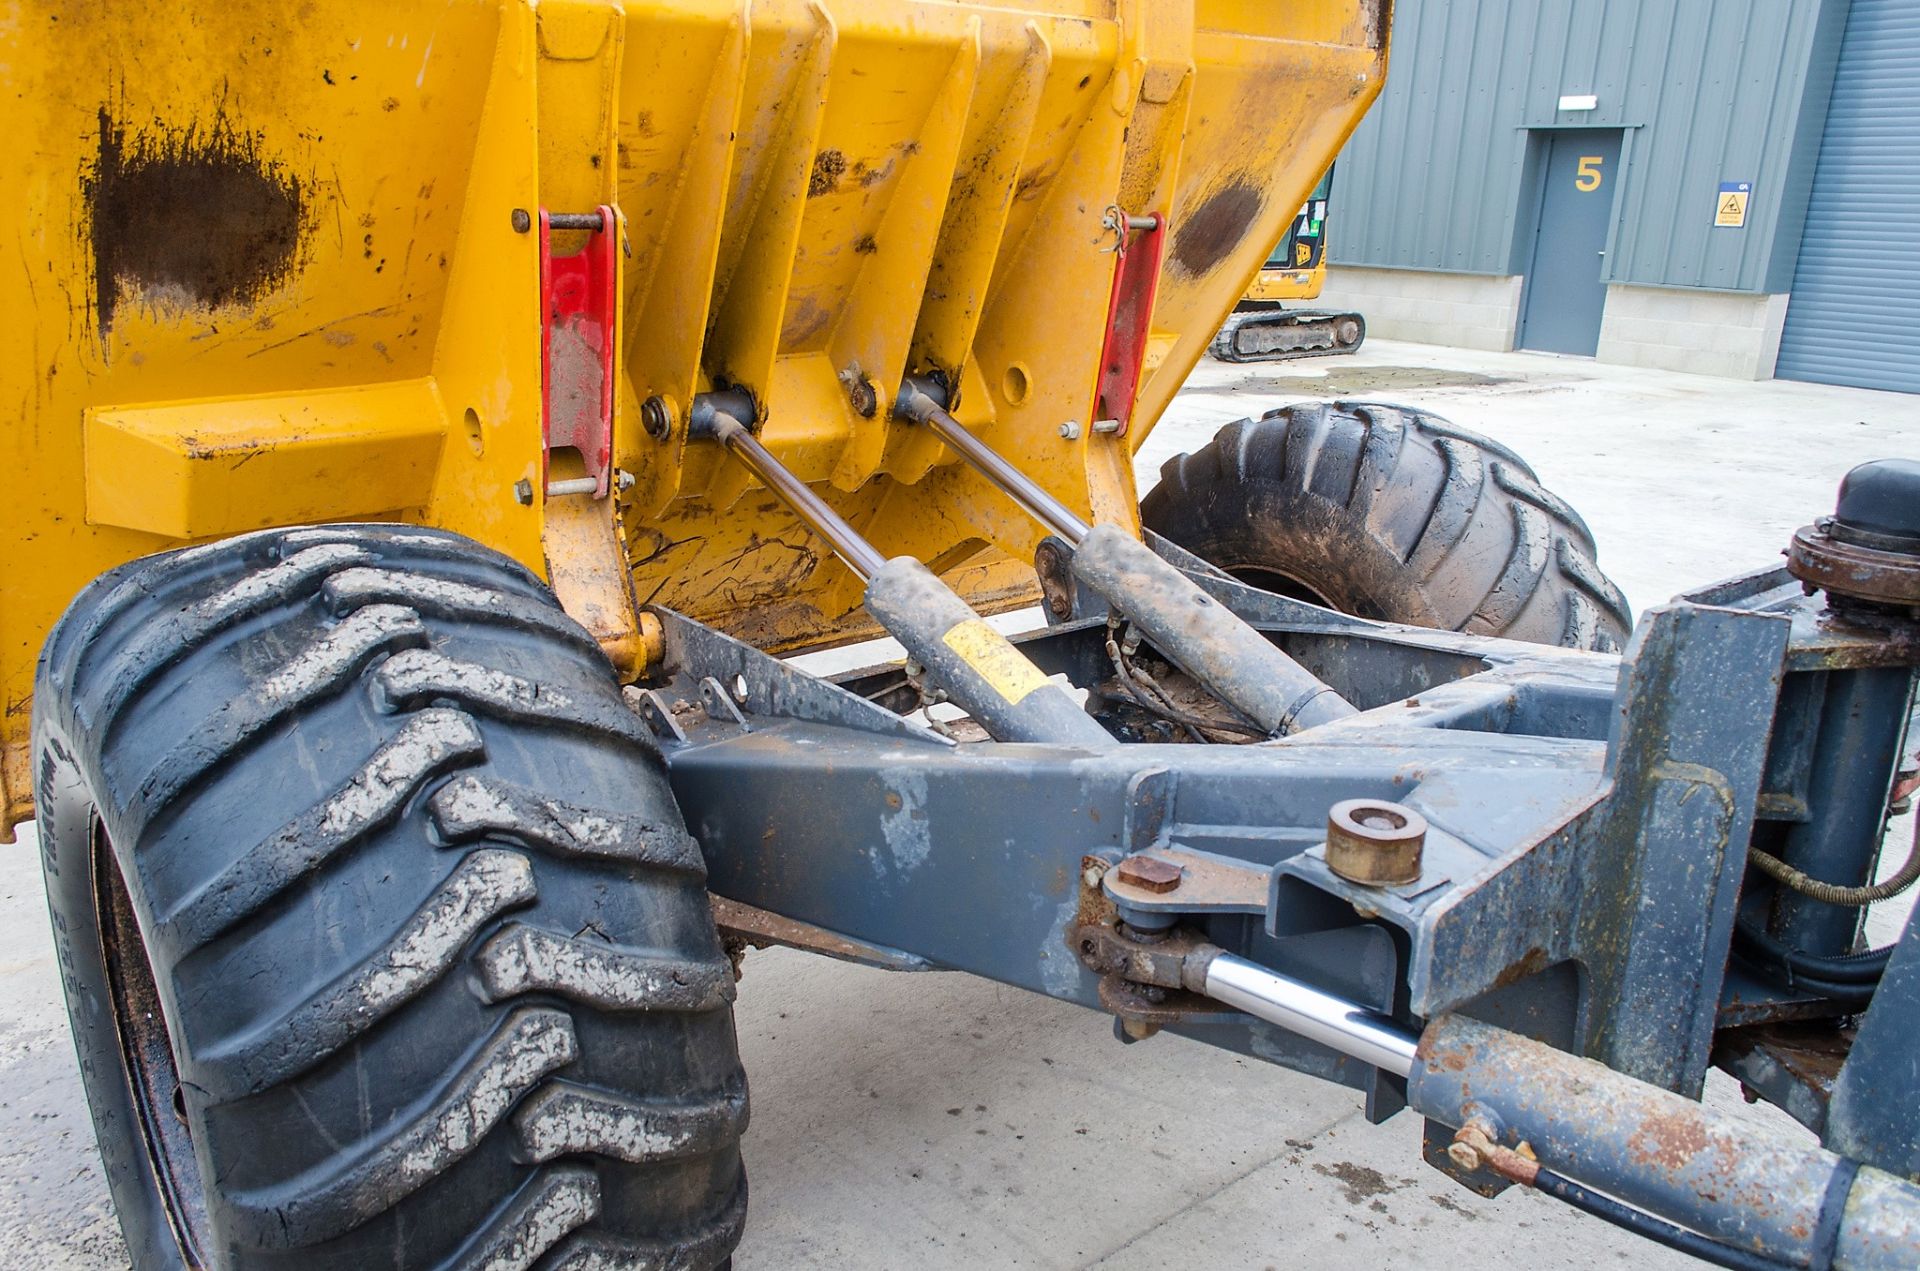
(146, 1056)
(1281, 584)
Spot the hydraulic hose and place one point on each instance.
(1851, 897)
(1657, 1230)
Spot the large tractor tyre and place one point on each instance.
(1387, 512)
(384, 943)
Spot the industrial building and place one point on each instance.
(1721, 186)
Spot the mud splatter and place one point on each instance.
(828, 167)
(1209, 236)
(199, 215)
(1358, 1183)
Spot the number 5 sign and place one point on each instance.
(1587, 177)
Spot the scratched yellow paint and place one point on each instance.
(324, 304)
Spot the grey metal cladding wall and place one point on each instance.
(1855, 313)
(1721, 101)
(1709, 90)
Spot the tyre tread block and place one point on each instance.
(486, 884)
(353, 1187)
(427, 744)
(525, 959)
(470, 807)
(566, 1119)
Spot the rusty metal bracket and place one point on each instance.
(763, 929)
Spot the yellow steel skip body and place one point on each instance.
(261, 266)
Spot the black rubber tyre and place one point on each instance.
(1390, 513)
(384, 943)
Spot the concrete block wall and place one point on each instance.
(1471, 311)
(1732, 334)
(1725, 333)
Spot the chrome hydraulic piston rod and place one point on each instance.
(923, 401)
(712, 415)
(978, 669)
(1198, 634)
(1300, 1008)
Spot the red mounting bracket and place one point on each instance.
(577, 338)
(1136, 278)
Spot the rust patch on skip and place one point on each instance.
(200, 215)
(1668, 1141)
(1209, 236)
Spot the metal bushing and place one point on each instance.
(1373, 842)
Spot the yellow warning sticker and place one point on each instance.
(998, 662)
(1730, 211)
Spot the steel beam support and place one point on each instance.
(1664, 861)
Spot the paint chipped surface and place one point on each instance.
(521, 959)
(188, 218)
(564, 1199)
(1210, 236)
(904, 823)
(566, 1118)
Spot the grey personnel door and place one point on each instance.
(1560, 310)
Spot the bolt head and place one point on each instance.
(1149, 873)
(522, 222)
(523, 492)
(1464, 1156)
(656, 417)
(1070, 430)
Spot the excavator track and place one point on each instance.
(1258, 331)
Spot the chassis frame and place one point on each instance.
(1586, 858)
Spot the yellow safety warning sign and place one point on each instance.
(1731, 210)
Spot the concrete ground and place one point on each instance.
(941, 1121)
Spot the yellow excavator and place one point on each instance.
(1261, 327)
